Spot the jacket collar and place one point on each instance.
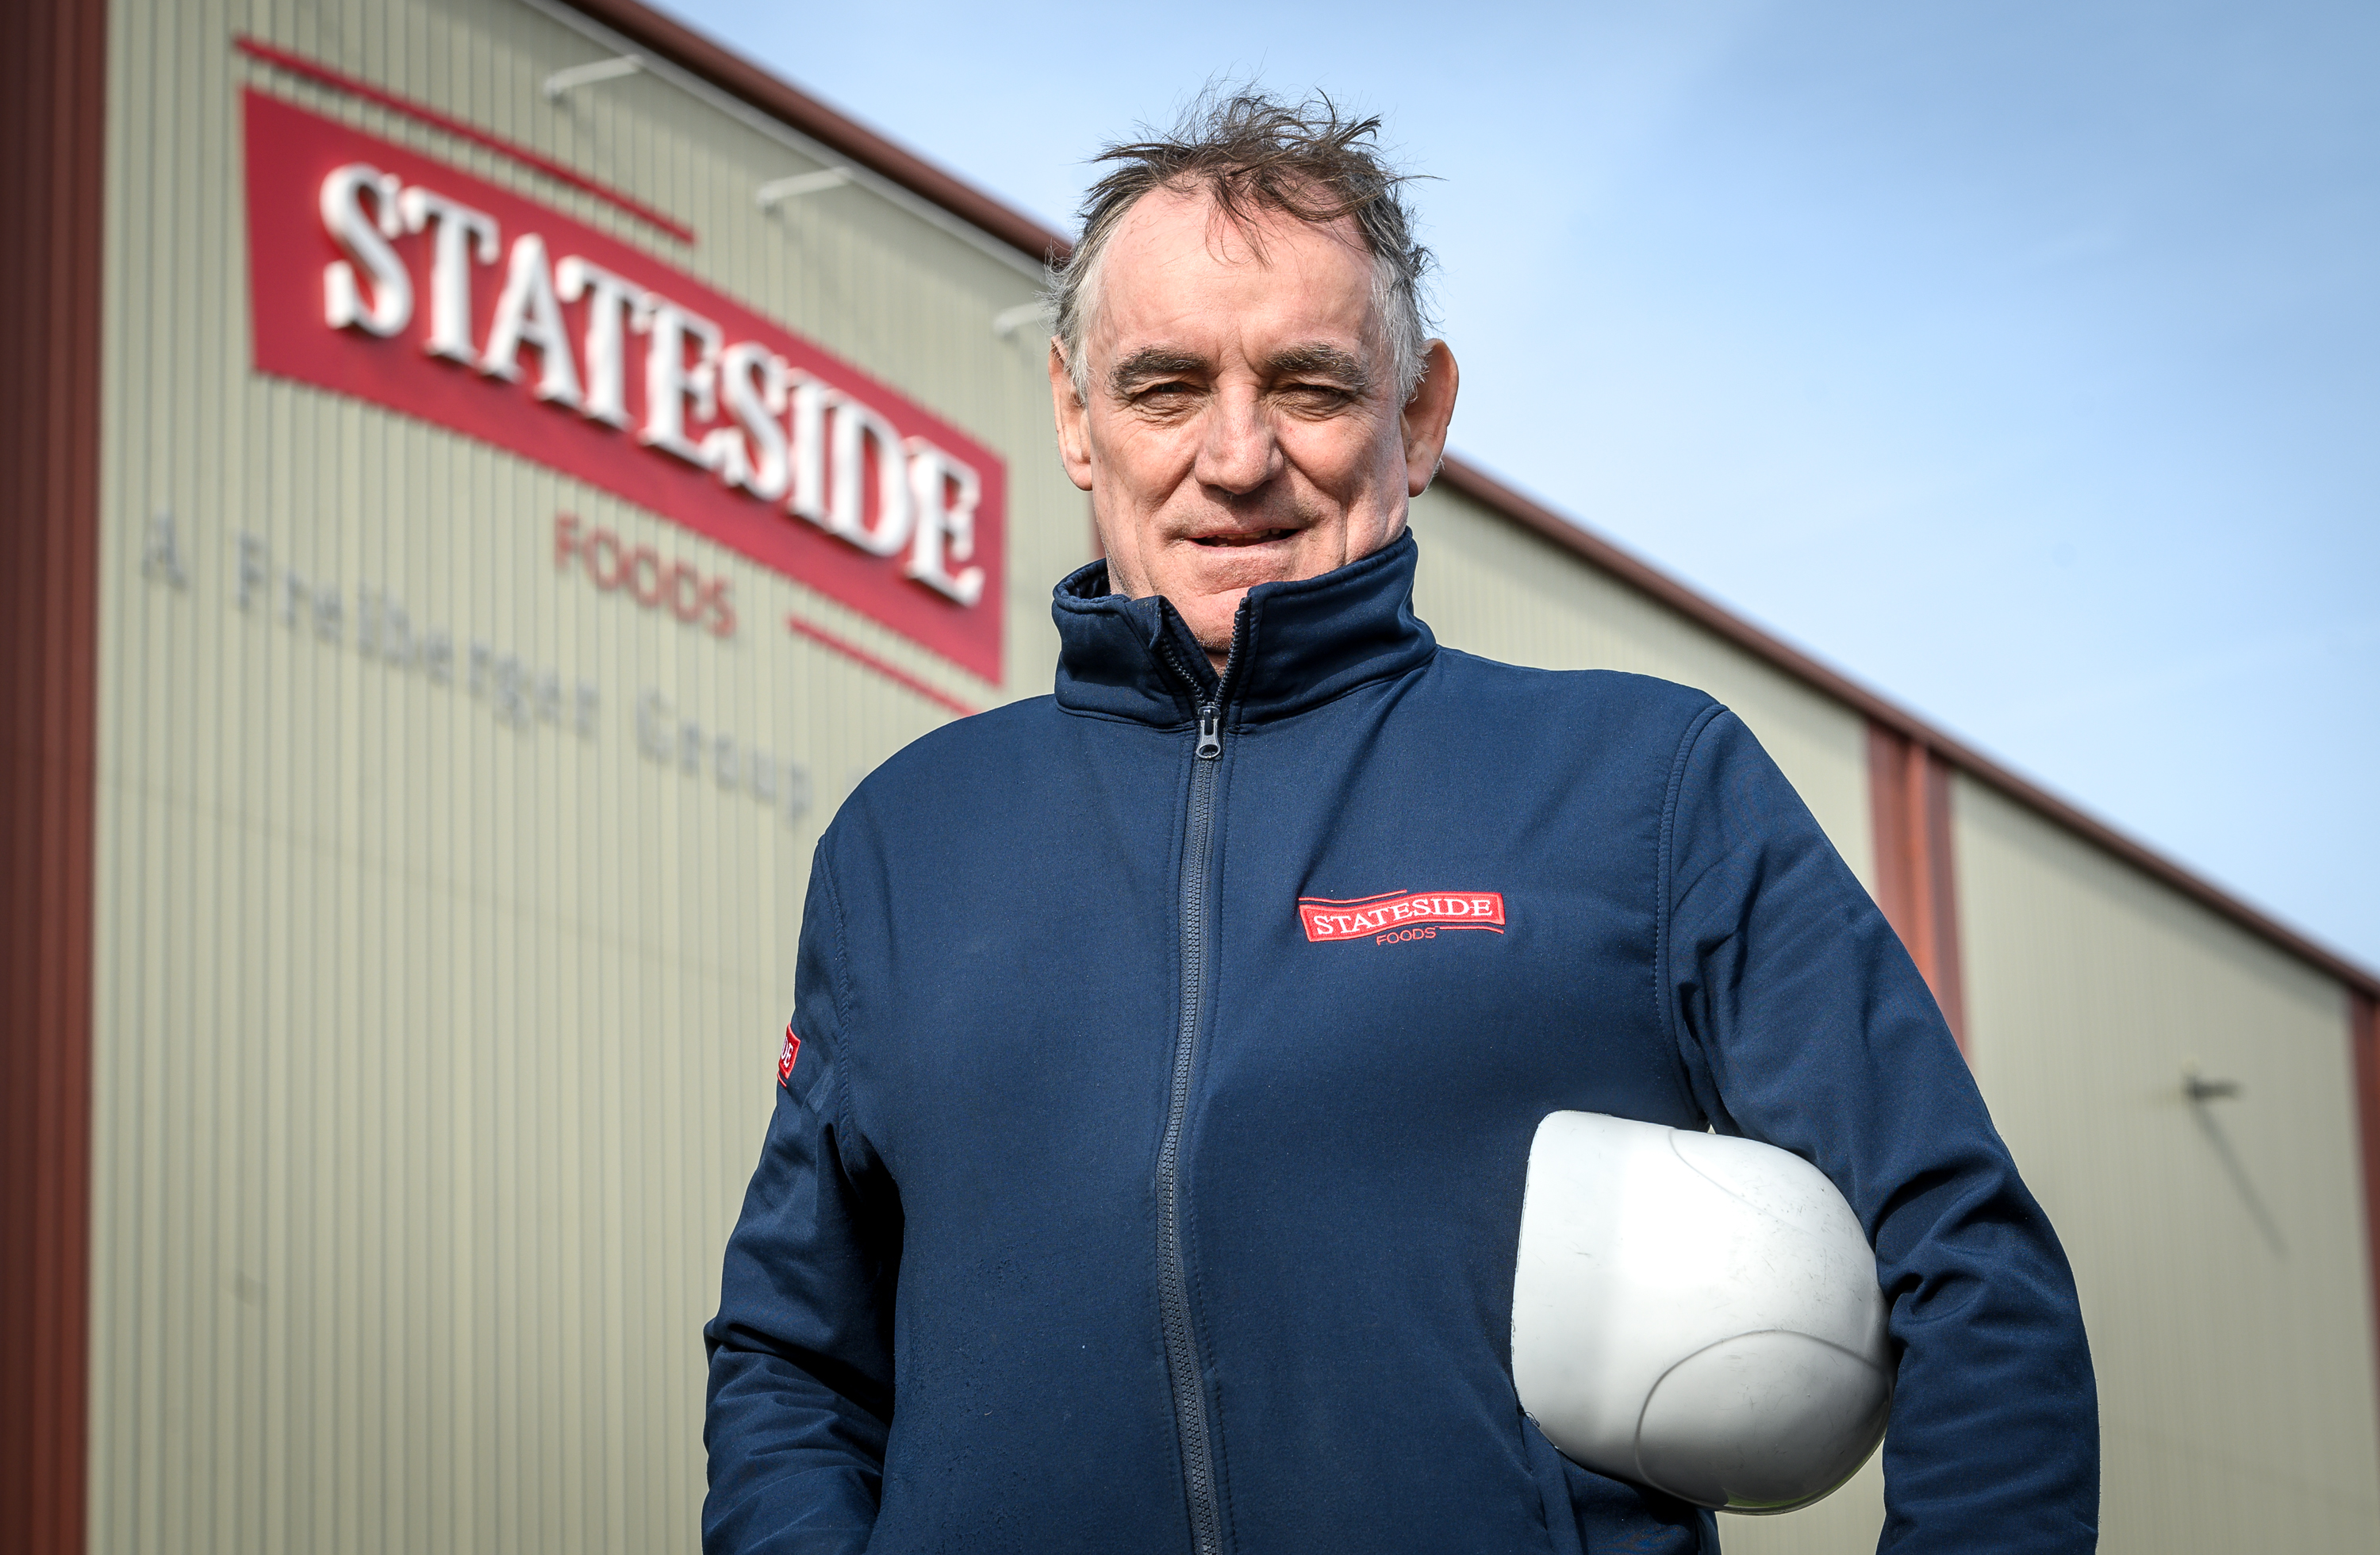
(1295, 645)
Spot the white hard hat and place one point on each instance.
(1696, 1313)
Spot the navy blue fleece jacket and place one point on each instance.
(1148, 1174)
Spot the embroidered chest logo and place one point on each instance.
(1400, 916)
(786, 1058)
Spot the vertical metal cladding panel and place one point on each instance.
(435, 1033)
(2219, 1243)
(1493, 588)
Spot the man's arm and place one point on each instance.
(801, 1353)
(1804, 1024)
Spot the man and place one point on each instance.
(1121, 1196)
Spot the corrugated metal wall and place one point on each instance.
(2219, 1245)
(435, 1036)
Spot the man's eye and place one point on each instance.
(1318, 394)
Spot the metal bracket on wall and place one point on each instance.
(2198, 1087)
(588, 75)
(777, 190)
(1008, 321)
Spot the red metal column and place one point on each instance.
(53, 133)
(1909, 793)
(2363, 1040)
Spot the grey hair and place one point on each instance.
(1252, 153)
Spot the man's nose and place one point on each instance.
(1238, 452)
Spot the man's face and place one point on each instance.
(1242, 423)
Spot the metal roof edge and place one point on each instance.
(738, 77)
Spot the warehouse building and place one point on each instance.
(424, 686)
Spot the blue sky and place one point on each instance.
(2021, 359)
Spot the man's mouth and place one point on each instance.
(1253, 536)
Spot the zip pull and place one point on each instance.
(1210, 733)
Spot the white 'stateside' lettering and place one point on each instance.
(671, 380)
(366, 242)
(945, 491)
(462, 237)
(610, 301)
(854, 431)
(809, 399)
(751, 454)
(529, 314)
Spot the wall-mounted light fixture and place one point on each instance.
(1008, 321)
(588, 75)
(777, 190)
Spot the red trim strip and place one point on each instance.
(53, 84)
(859, 655)
(2363, 1040)
(1930, 791)
(299, 65)
(1908, 804)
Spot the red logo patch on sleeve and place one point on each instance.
(786, 1058)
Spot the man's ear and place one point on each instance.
(1073, 418)
(1426, 417)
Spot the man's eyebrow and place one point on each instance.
(1317, 359)
(1152, 362)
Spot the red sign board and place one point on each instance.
(378, 272)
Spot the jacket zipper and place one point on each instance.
(1173, 1274)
